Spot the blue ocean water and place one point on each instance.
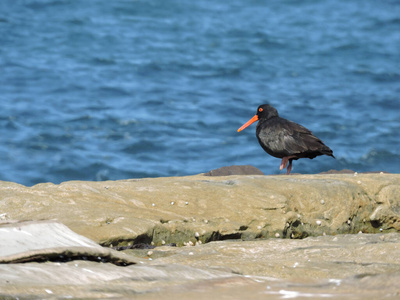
(96, 90)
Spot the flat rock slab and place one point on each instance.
(207, 208)
(363, 266)
(328, 257)
(52, 241)
(86, 279)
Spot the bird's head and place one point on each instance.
(264, 112)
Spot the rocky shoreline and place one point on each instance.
(263, 215)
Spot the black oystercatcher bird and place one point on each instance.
(285, 139)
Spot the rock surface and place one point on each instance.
(362, 266)
(48, 240)
(206, 208)
(235, 170)
(288, 233)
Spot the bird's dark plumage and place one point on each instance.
(285, 139)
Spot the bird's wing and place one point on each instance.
(302, 140)
(289, 138)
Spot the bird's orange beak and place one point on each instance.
(248, 123)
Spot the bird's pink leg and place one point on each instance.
(284, 163)
(289, 168)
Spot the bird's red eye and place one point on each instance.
(260, 109)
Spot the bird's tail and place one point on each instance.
(328, 151)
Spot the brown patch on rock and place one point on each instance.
(235, 170)
(344, 171)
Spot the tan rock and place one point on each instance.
(361, 266)
(256, 210)
(173, 209)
